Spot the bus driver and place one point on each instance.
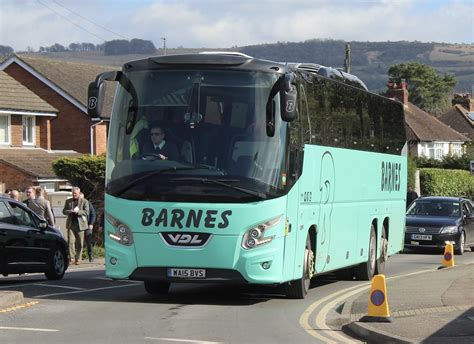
(157, 145)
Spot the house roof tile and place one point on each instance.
(35, 162)
(72, 77)
(425, 127)
(14, 96)
(458, 118)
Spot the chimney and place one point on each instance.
(465, 100)
(398, 92)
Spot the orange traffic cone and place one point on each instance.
(448, 257)
(378, 310)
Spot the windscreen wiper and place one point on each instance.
(134, 182)
(222, 182)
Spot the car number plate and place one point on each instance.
(421, 237)
(186, 273)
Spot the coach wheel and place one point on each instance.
(366, 270)
(380, 266)
(298, 289)
(157, 287)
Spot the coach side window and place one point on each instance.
(304, 115)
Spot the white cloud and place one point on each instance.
(225, 23)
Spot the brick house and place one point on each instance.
(25, 125)
(427, 136)
(461, 116)
(64, 85)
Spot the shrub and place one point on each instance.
(448, 162)
(411, 172)
(97, 251)
(439, 182)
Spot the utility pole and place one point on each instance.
(164, 44)
(347, 60)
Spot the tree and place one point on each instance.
(4, 49)
(57, 48)
(117, 47)
(140, 46)
(427, 89)
(74, 47)
(86, 172)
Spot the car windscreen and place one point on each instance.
(443, 208)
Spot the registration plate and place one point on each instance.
(186, 273)
(421, 237)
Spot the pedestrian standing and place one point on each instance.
(88, 237)
(411, 196)
(14, 194)
(39, 205)
(77, 211)
(44, 206)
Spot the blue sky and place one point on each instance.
(227, 23)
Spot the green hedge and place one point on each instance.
(439, 182)
(448, 162)
(411, 172)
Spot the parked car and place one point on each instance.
(434, 221)
(28, 243)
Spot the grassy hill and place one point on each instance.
(370, 61)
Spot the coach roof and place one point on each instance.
(206, 60)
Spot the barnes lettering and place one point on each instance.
(179, 218)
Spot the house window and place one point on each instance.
(456, 149)
(48, 187)
(4, 129)
(438, 151)
(28, 130)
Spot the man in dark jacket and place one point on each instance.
(88, 235)
(158, 146)
(411, 196)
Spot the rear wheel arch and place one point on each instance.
(312, 236)
(386, 225)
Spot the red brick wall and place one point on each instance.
(71, 128)
(43, 132)
(16, 131)
(100, 138)
(13, 178)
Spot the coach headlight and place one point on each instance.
(122, 234)
(256, 236)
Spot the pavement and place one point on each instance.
(429, 307)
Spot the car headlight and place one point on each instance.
(122, 234)
(255, 236)
(449, 230)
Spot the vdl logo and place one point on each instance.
(185, 239)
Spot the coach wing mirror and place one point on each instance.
(288, 97)
(96, 93)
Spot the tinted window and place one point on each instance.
(23, 217)
(5, 216)
(348, 117)
(435, 208)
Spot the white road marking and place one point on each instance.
(183, 340)
(59, 286)
(85, 291)
(28, 329)
(16, 285)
